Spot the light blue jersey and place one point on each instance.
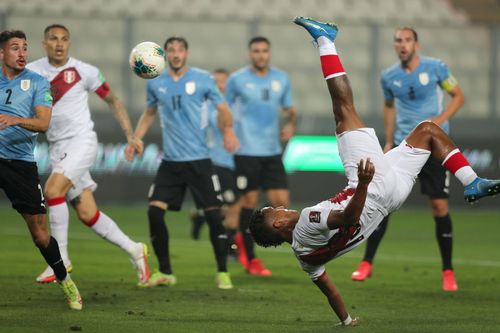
(215, 141)
(180, 105)
(256, 102)
(18, 98)
(418, 95)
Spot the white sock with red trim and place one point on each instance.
(105, 227)
(457, 164)
(330, 61)
(59, 224)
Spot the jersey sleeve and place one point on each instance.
(213, 93)
(446, 80)
(287, 99)
(388, 95)
(230, 91)
(151, 99)
(95, 81)
(42, 96)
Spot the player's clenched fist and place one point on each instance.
(365, 171)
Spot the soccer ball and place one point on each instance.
(147, 60)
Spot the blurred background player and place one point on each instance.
(257, 94)
(223, 162)
(180, 94)
(413, 93)
(25, 110)
(73, 148)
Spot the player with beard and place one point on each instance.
(179, 96)
(25, 111)
(413, 90)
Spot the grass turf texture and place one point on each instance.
(403, 296)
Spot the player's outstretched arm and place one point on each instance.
(225, 122)
(350, 215)
(121, 115)
(331, 292)
(39, 123)
(144, 124)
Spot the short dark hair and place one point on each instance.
(54, 26)
(6, 35)
(258, 39)
(409, 28)
(261, 233)
(176, 39)
(221, 71)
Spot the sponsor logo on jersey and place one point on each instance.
(162, 90)
(276, 85)
(314, 216)
(397, 83)
(241, 182)
(423, 78)
(190, 87)
(48, 97)
(25, 85)
(69, 76)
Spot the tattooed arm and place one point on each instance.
(39, 123)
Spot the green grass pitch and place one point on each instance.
(404, 294)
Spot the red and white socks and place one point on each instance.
(457, 164)
(59, 224)
(330, 61)
(105, 227)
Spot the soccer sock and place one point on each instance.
(245, 216)
(59, 224)
(218, 237)
(52, 256)
(105, 227)
(330, 61)
(159, 238)
(374, 240)
(445, 239)
(457, 164)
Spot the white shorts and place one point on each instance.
(395, 172)
(73, 158)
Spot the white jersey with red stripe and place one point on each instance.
(314, 243)
(70, 87)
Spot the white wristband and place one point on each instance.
(347, 321)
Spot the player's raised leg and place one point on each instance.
(324, 35)
(88, 212)
(429, 136)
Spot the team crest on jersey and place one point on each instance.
(190, 87)
(314, 216)
(69, 76)
(276, 85)
(423, 78)
(25, 85)
(241, 182)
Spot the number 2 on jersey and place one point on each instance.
(9, 94)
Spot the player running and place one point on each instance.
(377, 184)
(413, 90)
(73, 149)
(257, 95)
(25, 111)
(179, 94)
